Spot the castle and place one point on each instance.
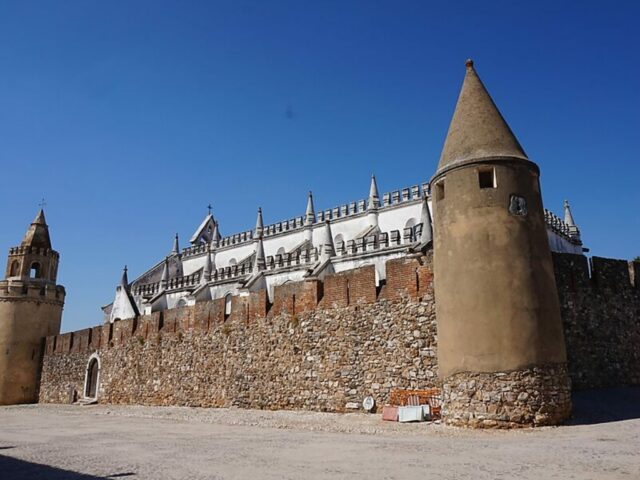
(464, 282)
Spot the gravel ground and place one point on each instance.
(95, 442)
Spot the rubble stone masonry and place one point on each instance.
(328, 357)
(325, 345)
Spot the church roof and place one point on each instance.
(477, 129)
(38, 233)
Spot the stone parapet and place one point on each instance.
(530, 397)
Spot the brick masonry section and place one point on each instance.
(532, 397)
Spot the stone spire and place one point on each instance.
(259, 224)
(38, 233)
(326, 247)
(374, 197)
(259, 262)
(568, 216)
(477, 129)
(425, 218)
(176, 246)
(164, 280)
(310, 214)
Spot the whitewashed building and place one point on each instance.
(362, 232)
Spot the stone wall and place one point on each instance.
(304, 351)
(324, 345)
(531, 397)
(600, 303)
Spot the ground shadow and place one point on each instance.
(16, 469)
(606, 405)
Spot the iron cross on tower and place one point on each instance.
(42, 204)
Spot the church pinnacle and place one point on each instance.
(374, 197)
(477, 129)
(310, 214)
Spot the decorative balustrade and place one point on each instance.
(560, 227)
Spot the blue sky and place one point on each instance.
(129, 117)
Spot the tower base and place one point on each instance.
(530, 397)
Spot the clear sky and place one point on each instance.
(129, 117)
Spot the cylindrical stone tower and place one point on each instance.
(501, 349)
(30, 309)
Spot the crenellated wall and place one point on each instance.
(600, 303)
(322, 345)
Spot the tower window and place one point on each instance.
(440, 190)
(14, 268)
(487, 178)
(35, 270)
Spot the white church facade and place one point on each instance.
(363, 232)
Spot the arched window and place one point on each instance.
(15, 266)
(281, 251)
(35, 270)
(411, 223)
(233, 262)
(181, 303)
(92, 377)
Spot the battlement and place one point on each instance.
(596, 273)
(347, 210)
(305, 258)
(408, 278)
(36, 290)
(29, 250)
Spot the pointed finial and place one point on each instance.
(310, 214)
(164, 280)
(425, 217)
(259, 224)
(374, 198)
(208, 266)
(259, 263)
(568, 216)
(326, 247)
(124, 281)
(176, 245)
(215, 236)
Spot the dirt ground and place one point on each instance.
(97, 442)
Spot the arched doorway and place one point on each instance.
(92, 377)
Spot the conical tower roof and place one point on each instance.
(38, 233)
(477, 129)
